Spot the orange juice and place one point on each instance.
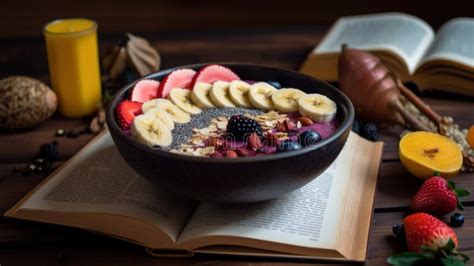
(73, 60)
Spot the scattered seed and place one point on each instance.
(31, 167)
(184, 132)
(60, 133)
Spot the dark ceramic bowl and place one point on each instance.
(245, 179)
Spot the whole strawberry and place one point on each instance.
(430, 241)
(438, 197)
(422, 229)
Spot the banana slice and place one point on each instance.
(162, 116)
(286, 100)
(147, 106)
(177, 115)
(220, 94)
(238, 92)
(200, 95)
(260, 95)
(317, 107)
(151, 131)
(182, 99)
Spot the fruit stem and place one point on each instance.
(344, 46)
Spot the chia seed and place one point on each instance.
(183, 132)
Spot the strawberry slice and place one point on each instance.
(180, 78)
(126, 112)
(145, 90)
(213, 73)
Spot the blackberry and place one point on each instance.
(241, 127)
(356, 125)
(369, 131)
(49, 152)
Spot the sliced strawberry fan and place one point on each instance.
(213, 73)
(181, 78)
(126, 111)
(145, 90)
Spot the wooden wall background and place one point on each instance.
(25, 18)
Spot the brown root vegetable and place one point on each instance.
(25, 102)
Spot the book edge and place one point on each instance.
(12, 211)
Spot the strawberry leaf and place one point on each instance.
(451, 185)
(449, 246)
(450, 261)
(408, 258)
(461, 192)
(459, 205)
(436, 173)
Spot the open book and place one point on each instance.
(407, 45)
(328, 218)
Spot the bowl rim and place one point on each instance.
(113, 125)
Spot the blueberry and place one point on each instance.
(399, 231)
(289, 145)
(275, 84)
(457, 220)
(308, 138)
(396, 228)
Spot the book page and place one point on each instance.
(407, 36)
(100, 181)
(454, 42)
(308, 217)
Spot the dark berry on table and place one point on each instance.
(399, 231)
(356, 125)
(240, 127)
(49, 152)
(456, 220)
(288, 145)
(308, 138)
(275, 84)
(369, 131)
(396, 228)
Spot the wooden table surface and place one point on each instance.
(41, 244)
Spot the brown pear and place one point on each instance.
(369, 84)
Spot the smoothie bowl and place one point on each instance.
(229, 132)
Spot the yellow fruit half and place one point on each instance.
(424, 153)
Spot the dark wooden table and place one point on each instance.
(40, 244)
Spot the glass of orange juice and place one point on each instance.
(73, 59)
